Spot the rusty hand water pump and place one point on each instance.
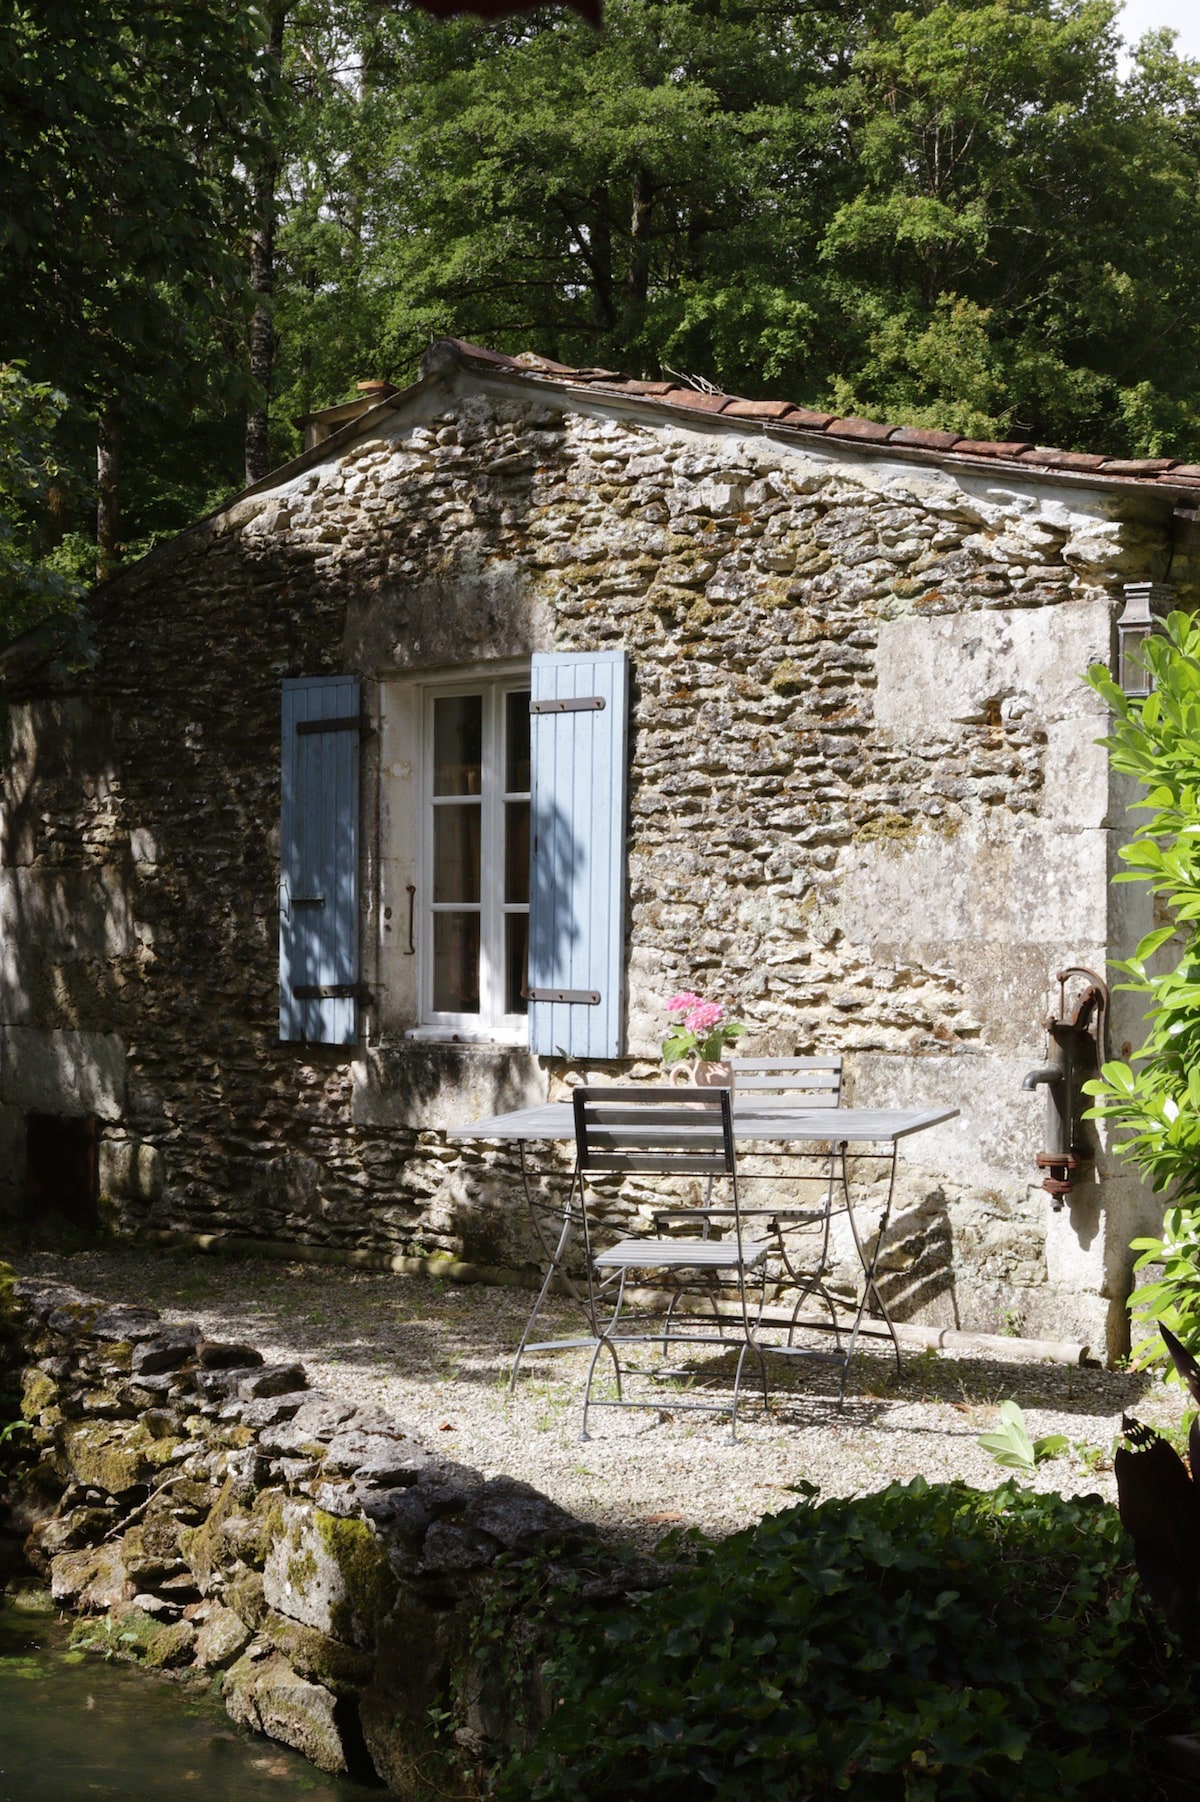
(1076, 1052)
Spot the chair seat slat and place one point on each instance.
(698, 1254)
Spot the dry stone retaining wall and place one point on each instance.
(212, 1516)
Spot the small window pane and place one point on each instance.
(516, 850)
(458, 745)
(516, 742)
(456, 852)
(516, 963)
(456, 963)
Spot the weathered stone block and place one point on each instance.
(130, 1170)
(328, 1573)
(220, 1640)
(339, 1667)
(51, 1071)
(92, 1581)
(267, 1694)
(172, 1646)
(112, 1456)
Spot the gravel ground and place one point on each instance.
(437, 1355)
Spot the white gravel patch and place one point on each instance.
(438, 1355)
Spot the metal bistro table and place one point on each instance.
(833, 1134)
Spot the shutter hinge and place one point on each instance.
(574, 997)
(333, 991)
(577, 704)
(347, 722)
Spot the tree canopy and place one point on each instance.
(949, 212)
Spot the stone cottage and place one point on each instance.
(798, 702)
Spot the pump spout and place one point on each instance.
(1049, 1073)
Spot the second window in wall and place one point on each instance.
(476, 854)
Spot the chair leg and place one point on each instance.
(587, 1392)
(751, 1345)
(528, 1333)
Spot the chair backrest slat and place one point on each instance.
(817, 1079)
(619, 1128)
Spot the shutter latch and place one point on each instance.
(333, 991)
(576, 704)
(574, 997)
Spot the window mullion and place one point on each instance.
(492, 922)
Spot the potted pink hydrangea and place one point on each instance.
(697, 1037)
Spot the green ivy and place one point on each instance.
(1155, 1100)
(919, 1643)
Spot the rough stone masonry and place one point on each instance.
(867, 810)
(208, 1515)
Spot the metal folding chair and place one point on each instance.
(801, 1233)
(666, 1133)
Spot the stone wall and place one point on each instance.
(866, 807)
(211, 1516)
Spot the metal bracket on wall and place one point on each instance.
(334, 991)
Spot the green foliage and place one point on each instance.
(32, 583)
(1155, 1101)
(954, 214)
(1172, 1297)
(127, 131)
(1012, 1446)
(919, 1643)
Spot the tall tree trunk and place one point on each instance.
(599, 261)
(637, 280)
(108, 493)
(262, 283)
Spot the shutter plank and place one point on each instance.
(319, 857)
(578, 879)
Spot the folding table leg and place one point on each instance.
(870, 1287)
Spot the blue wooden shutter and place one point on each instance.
(318, 878)
(577, 892)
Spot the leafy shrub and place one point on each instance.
(1156, 1099)
(922, 1642)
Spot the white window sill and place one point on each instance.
(511, 1038)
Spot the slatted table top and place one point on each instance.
(754, 1118)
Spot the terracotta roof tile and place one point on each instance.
(476, 353)
(805, 419)
(699, 403)
(1137, 466)
(922, 439)
(986, 447)
(758, 409)
(868, 429)
(1057, 459)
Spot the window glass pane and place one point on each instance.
(516, 742)
(516, 850)
(456, 963)
(456, 852)
(516, 962)
(457, 744)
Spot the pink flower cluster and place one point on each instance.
(699, 1016)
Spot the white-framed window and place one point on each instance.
(474, 857)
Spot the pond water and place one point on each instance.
(74, 1728)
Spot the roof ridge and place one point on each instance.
(1173, 472)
